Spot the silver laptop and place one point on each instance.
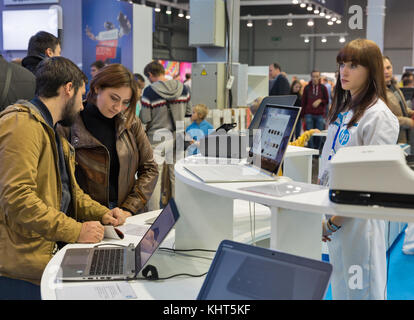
(266, 156)
(113, 263)
(244, 272)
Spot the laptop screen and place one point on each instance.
(271, 139)
(284, 100)
(243, 272)
(156, 234)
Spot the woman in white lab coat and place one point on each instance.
(359, 116)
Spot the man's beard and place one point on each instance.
(69, 113)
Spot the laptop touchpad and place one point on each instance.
(76, 257)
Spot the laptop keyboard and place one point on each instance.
(107, 261)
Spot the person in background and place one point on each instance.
(279, 84)
(295, 90)
(327, 84)
(397, 104)
(165, 103)
(115, 163)
(314, 102)
(42, 45)
(199, 128)
(187, 81)
(141, 85)
(16, 83)
(41, 204)
(254, 106)
(407, 80)
(359, 116)
(96, 66)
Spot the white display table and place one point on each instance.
(207, 213)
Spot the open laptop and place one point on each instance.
(266, 155)
(243, 272)
(284, 100)
(113, 263)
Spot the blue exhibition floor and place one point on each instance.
(400, 273)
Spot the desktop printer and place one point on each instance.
(372, 175)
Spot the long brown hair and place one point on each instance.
(365, 53)
(115, 76)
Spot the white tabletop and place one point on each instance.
(311, 202)
(180, 288)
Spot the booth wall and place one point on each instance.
(72, 30)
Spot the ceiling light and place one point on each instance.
(323, 40)
(342, 39)
(338, 21)
(295, 1)
(303, 5)
(269, 22)
(289, 23)
(311, 23)
(330, 22)
(187, 16)
(328, 15)
(322, 13)
(309, 8)
(249, 23)
(316, 11)
(334, 18)
(157, 7)
(181, 13)
(307, 40)
(168, 11)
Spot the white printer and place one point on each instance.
(372, 175)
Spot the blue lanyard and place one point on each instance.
(341, 117)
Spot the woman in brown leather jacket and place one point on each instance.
(114, 160)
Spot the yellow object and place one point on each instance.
(302, 140)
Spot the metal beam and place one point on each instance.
(265, 2)
(283, 17)
(170, 3)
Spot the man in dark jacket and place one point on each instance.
(15, 83)
(315, 100)
(278, 84)
(42, 45)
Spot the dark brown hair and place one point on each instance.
(115, 76)
(365, 53)
(52, 73)
(155, 68)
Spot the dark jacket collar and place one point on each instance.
(82, 138)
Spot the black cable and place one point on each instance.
(186, 250)
(173, 276)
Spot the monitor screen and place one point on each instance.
(285, 100)
(156, 234)
(271, 139)
(20, 25)
(243, 272)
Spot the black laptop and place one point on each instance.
(244, 272)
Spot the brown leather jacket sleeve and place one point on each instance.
(147, 171)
